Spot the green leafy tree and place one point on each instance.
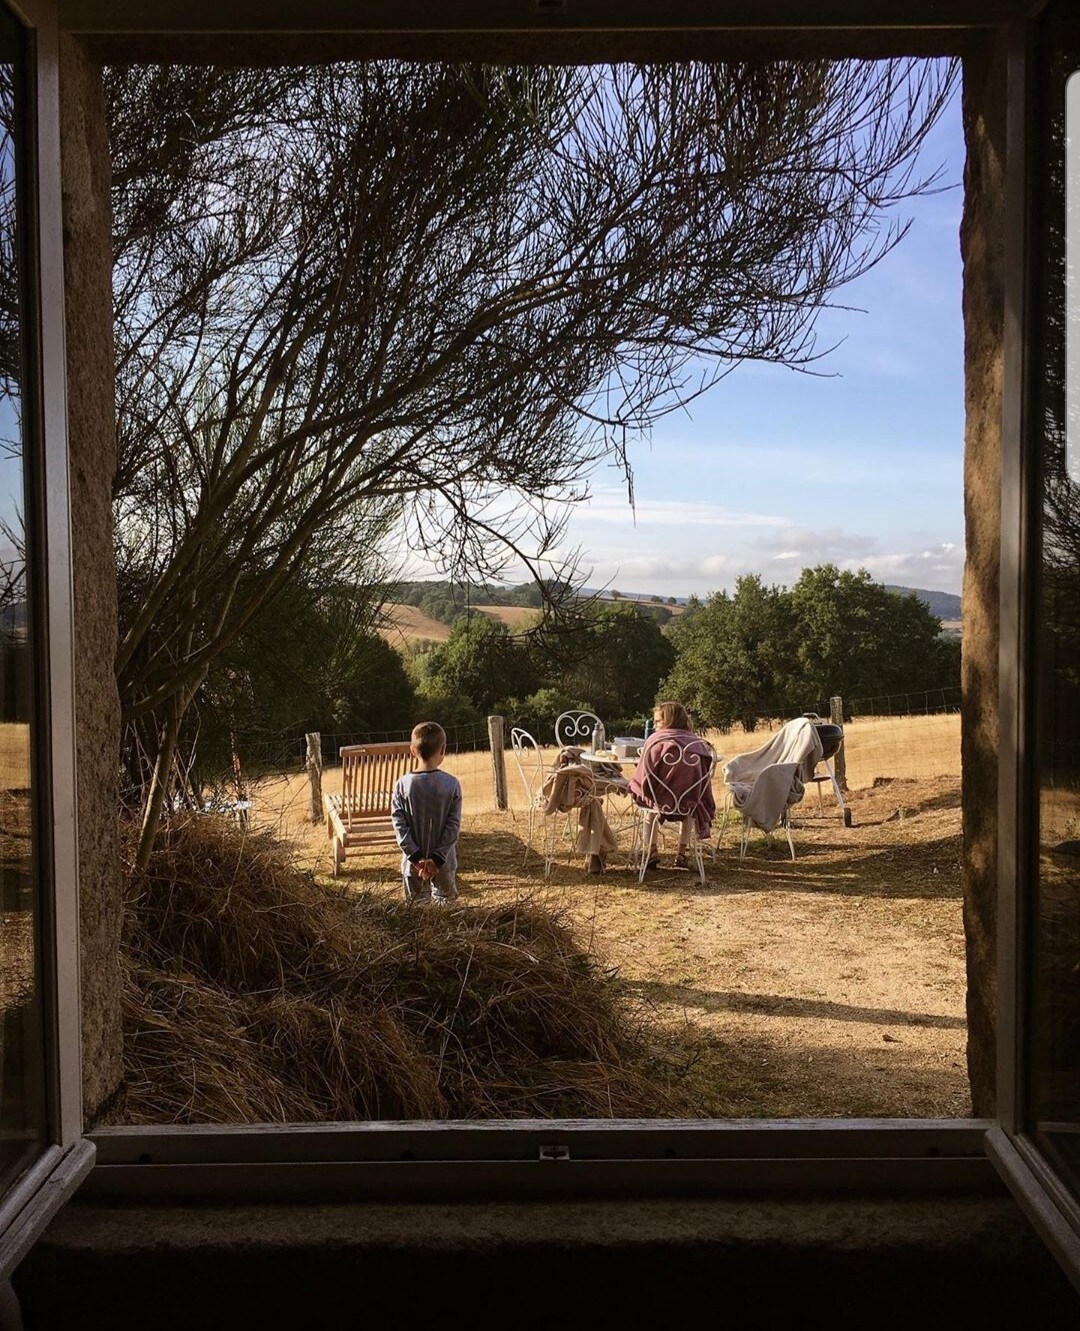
(623, 657)
(538, 713)
(659, 614)
(307, 662)
(770, 650)
(731, 654)
(481, 661)
(855, 638)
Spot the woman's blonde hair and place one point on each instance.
(671, 716)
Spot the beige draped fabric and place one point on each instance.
(574, 787)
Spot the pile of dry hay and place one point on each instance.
(253, 994)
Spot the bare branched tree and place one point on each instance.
(429, 298)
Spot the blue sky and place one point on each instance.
(774, 470)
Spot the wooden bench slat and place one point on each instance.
(359, 818)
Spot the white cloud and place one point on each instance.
(613, 506)
(939, 566)
(780, 557)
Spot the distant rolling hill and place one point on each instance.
(674, 603)
(403, 624)
(943, 604)
(406, 623)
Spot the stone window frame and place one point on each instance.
(600, 1156)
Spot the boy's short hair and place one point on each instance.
(428, 737)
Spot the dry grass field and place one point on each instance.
(513, 616)
(833, 985)
(407, 623)
(16, 920)
(913, 747)
(14, 756)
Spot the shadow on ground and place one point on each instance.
(784, 1006)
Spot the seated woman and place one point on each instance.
(668, 780)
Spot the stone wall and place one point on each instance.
(92, 445)
(904, 1260)
(981, 240)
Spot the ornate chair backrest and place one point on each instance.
(529, 761)
(678, 775)
(368, 775)
(574, 729)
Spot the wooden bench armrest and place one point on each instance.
(332, 806)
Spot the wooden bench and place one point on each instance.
(359, 818)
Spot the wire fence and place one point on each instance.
(459, 739)
(928, 702)
(890, 736)
(909, 736)
(259, 752)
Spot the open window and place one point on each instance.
(43, 1155)
(1035, 1145)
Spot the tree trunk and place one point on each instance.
(159, 785)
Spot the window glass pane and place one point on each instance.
(21, 1048)
(1055, 1048)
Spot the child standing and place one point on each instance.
(425, 810)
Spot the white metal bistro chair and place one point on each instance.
(675, 798)
(575, 729)
(742, 801)
(529, 760)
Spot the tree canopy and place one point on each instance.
(764, 650)
(612, 664)
(621, 661)
(483, 662)
(309, 661)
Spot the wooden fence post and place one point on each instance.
(836, 716)
(498, 760)
(314, 771)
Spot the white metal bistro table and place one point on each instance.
(605, 756)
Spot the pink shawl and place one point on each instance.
(660, 780)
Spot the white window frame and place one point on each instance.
(67, 1156)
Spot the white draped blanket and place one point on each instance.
(765, 782)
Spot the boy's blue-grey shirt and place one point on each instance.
(425, 810)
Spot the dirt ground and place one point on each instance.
(831, 986)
